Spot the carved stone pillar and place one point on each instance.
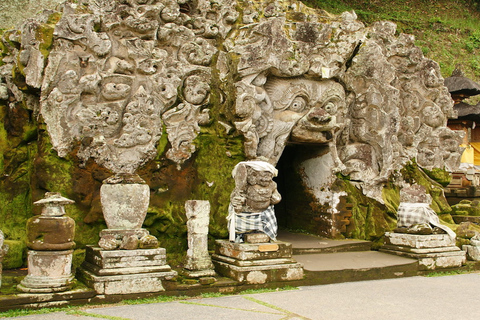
(198, 262)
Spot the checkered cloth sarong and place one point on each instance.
(242, 222)
(409, 214)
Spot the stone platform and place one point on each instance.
(256, 263)
(432, 251)
(125, 271)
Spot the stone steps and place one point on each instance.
(332, 261)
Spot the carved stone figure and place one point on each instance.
(252, 200)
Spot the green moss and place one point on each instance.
(16, 254)
(370, 219)
(442, 176)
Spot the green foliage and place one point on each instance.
(445, 30)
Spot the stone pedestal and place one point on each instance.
(125, 271)
(256, 263)
(432, 251)
(48, 271)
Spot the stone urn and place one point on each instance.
(50, 240)
(125, 199)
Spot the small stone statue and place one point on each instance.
(252, 200)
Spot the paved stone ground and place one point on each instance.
(447, 297)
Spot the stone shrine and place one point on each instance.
(420, 235)
(198, 262)
(50, 241)
(252, 254)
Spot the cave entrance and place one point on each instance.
(304, 174)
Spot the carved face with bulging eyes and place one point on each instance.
(315, 107)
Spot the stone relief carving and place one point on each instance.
(115, 73)
(123, 72)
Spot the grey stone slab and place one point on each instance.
(350, 260)
(205, 309)
(416, 298)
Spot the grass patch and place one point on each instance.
(446, 273)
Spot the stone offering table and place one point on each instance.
(433, 251)
(256, 263)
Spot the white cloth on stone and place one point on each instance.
(257, 166)
(409, 214)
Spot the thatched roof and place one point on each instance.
(457, 83)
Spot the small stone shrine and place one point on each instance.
(198, 262)
(127, 259)
(50, 240)
(252, 254)
(420, 235)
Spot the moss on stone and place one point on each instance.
(16, 254)
(442, 176)
(370, 219)
(414, 175)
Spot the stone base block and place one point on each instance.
(125, 284)
(125, 271)
(432, 251)
(473, 252)
(419, 241)
(253, 251)
(260, 274)
(256, 263)
(48, 271)
(472, 219)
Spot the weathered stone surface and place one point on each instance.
(48, 271)
(198, 214)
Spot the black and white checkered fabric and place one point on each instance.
(257, 221)
(409, 214)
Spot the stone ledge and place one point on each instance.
(419, 241)
(253, 251)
